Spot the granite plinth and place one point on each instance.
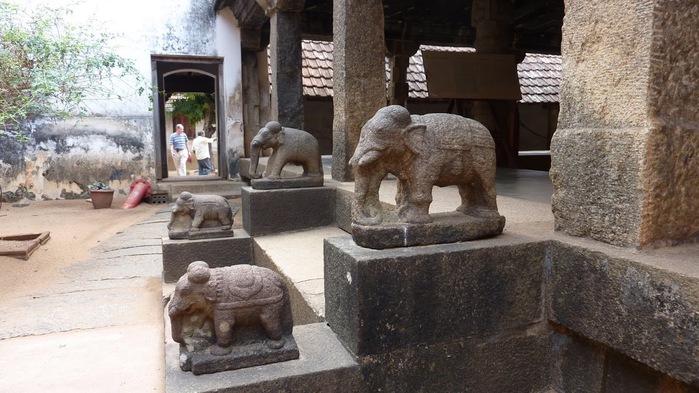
(203, 233)
(227, 251)
(445, 228)
(293, 182)
(379, 301)
(255, 353)
(267, 212)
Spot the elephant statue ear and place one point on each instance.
(415, 139)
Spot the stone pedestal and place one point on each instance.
(250, 353)
(445, 228)
(178, 254)
(266, 212)
(441, 316)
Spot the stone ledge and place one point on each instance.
(642, 311)
(227, 251)
(379, 301)
(324, 365)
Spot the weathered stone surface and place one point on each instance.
(577, 364)
(379, 301)
(643, 312)
(200, 217)
(624, 165)
(249, 354)
(359, 76)
(273, 211)
(503, 363)
(445, 228)
(582, 365)
(231, 317)
(298, 182)
(178, 254)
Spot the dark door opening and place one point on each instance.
(188, 94)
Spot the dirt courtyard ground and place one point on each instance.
(75, 227)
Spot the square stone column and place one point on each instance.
(285, 56)
(359, 75)
(625, 165)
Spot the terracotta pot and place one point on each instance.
(102, 199)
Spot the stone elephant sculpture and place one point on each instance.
(289, 146)
(205, 211)
(423, 151)
(231, 296)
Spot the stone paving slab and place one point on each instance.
(114, 359)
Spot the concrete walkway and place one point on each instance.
(98, 327)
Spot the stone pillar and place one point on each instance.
(285, 56)
(399, 60)
(359, 76)
(625, 157)
(493, 21)
(255, 80)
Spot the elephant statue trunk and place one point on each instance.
(176, 323)
(255, 148)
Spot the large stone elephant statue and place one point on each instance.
(289, 146)
(229, 296)
(423, 151)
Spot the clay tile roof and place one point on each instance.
(539, 75)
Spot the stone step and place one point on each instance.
(324, 365)
(225, 188)
(298, 257)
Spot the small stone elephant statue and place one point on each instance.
(197, 216)
(231, 296)
(290, 146)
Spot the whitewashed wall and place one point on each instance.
(116, 142)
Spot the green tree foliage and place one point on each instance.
(50, 67)
(196, 107)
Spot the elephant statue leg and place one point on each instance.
(414, 204)
(416, 211)
(477, 200)
(223, 326)
(272, 324)
(271, 171)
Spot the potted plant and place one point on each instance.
(101, 195)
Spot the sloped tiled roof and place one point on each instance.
(539, 75)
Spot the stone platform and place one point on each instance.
(227, 251)
(267, 212)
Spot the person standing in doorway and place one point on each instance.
(179, 149)
(200, 147)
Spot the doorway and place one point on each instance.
(189, 93)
